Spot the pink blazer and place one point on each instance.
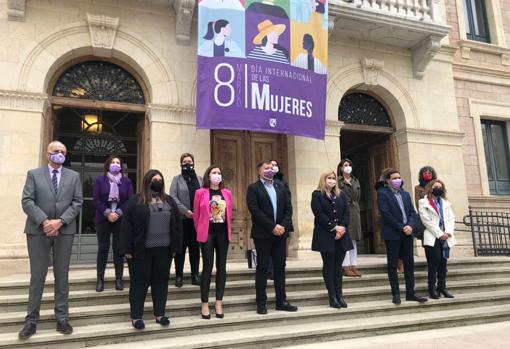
(201, 212)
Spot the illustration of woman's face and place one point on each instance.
(272, 38)
(226, 30)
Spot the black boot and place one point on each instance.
(433, 294)
(100, 284)
(445, 293)
(119, 284)
(195, 279)
(334, 303)
(342, 301)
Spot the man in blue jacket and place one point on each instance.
(398, 219)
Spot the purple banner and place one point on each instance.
(263, 68)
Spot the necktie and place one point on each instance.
(54, 180)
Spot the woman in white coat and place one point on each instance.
(437, 216)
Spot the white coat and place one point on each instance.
(430, 219)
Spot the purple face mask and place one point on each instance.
(268, 174)
(396, 183)
(114, 168)
(58, 158)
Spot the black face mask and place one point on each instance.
(188, 168)
(157, 186)
(437, 191)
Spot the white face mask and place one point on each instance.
(330, 183)
(215, 178)
(275, 169)
(347, 169)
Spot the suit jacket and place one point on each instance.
(180, 193)
(328, 214)
(430, 219)
(261, 209)
(135, 223)
(100, 194)
(39, 200)
(392, 222)
(201, 212)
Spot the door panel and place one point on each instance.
(237, 153)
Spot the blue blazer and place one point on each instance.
(392, 222)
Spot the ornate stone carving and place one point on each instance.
(171, 114)
(102, 31)
(16, 10)
(371, 69)
(423, 53)
(184, 9)
(331, 24)
(22, 101)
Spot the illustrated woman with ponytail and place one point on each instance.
(212, 215)
(307, 60)
(217, 42)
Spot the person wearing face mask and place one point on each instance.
(271, 216)
(151, 234)
(52, 198)
(182, 190)
(212, 216)
(398, 218)
(331, 234)
(349, 185)
(439, 220)
(425, 175)
(110, 193)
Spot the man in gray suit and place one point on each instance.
(52, 199)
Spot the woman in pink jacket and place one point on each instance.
(212, 215)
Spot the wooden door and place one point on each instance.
(237, 153)
(381, 156)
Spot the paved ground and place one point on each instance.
(486, 336)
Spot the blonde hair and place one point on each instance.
(428, 188)
(322, 183)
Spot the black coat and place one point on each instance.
(134, 227)
(261, 209)
(328, 214)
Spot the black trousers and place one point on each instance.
(103, 233)
(189, 242)
(151, 271)
(403, 249)
(216, 241)
(331, 270)
(275, 248)
(436, 266)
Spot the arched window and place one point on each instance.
(100, 81)
(362, 109)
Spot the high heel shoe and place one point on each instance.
(218, 315)
(206, 317)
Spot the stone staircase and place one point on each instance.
(481, 287)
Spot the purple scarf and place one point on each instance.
(114, 186)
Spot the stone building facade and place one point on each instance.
(411, 64)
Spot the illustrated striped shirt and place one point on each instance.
(278, 56)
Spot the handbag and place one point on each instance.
(419, 228)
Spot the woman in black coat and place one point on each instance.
(151, 233)
(330, 236)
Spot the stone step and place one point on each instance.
(250, 330)
(81, 316)
(308, 280)
(84, 277)
(97, 311)
(17, 302)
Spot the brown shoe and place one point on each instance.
(400, 266)
(348, 272)
(355, 271)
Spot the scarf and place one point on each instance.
(438, 206)
(114, 186)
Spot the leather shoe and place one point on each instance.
(64, 327)
(416, 298)
(119, 284)
(286, 306)
(433, 294)
(178, 281)
(333, 303)
(163, 321)
(100, 285)
(27, 331)
(396, 299)
(138, 324)
(195, 279)
(445, 293)
(261, 309)
(342, 302)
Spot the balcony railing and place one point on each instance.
(421, 10)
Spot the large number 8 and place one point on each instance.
(224, 83)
